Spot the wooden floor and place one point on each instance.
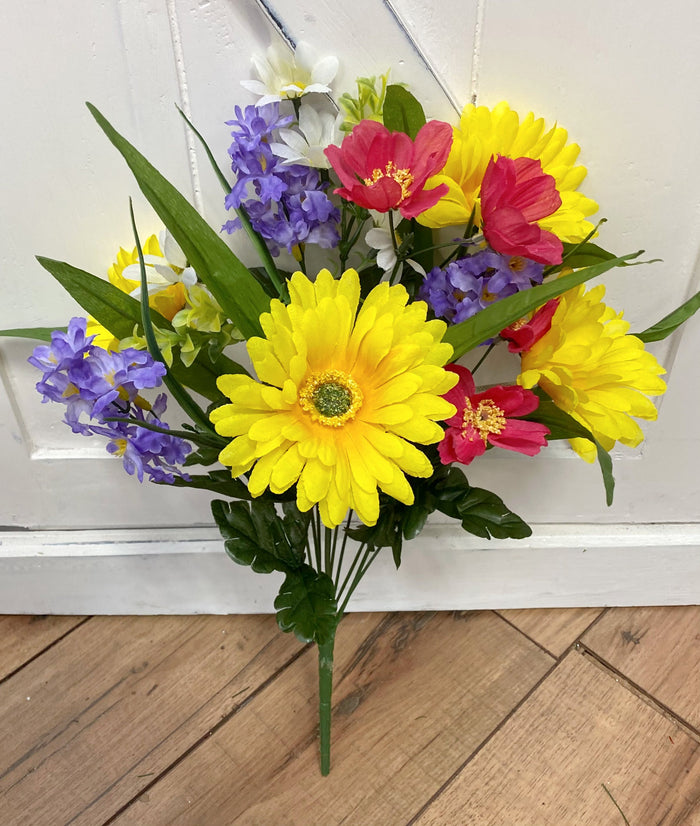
(517, 718)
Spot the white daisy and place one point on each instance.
(317, 130)
(282, 76)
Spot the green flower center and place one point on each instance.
(330, 397)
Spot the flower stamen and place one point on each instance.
(402, 177)
(487, 418)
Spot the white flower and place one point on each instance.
(162, 271)
(282, 76)
(317, 130)
(379, 238)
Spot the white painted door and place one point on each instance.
(621, 77)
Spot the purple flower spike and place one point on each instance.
(286, 203)
(96, 385)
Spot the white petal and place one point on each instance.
(254, 86)
(386, 259)
(171, 250)
(188, 277)
(310, 124)
(325, 70)
(415, 266)
(167, 275)
(305, 57)
(378, 239)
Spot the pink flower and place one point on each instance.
(484, 419)
(515, 194)
(523, 334)
(386, 170)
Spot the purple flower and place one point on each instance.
(286, 203)
(469, 284)
(146, 451)
(96, 385)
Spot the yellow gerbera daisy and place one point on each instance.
(594, 371)
(341, 395)
(167, 301)
(483, 133)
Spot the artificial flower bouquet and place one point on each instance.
(389, 248)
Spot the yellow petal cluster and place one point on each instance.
(483, 133)
(342, 395)
(595, 371)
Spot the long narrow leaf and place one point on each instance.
(36, 333)
(468, 334)
(672, 321)
(238, 293)
(118, 312)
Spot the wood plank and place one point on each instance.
(656, 648)
(90, 723)
(23, 637)
(415, 694)
(581, 729)
(553, 628)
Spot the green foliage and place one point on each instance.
(35, 333)
(239, 295)
(367, 105)
(563, 426)
(255, 535)
(481, 512)
(402, 112)
(468, 334)
(672, 321)
(306, 605)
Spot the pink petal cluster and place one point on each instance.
(515, 194)
(385, 170)
(484, 419)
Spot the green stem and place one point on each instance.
(369, 556)
(325, 689)
(482, 359)
(328, 552)
(336, 579)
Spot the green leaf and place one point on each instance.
(240, 296)
(217, 481)
(402, 112)
(605, 462)
(255, 535)
(585, 255)
(36, 333)
(481, 512)
(468, 334)
(484, 514)
(307, 606)
(672, 321)
(119, 313)
(564, 426)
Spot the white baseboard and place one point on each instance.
(175, 571)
